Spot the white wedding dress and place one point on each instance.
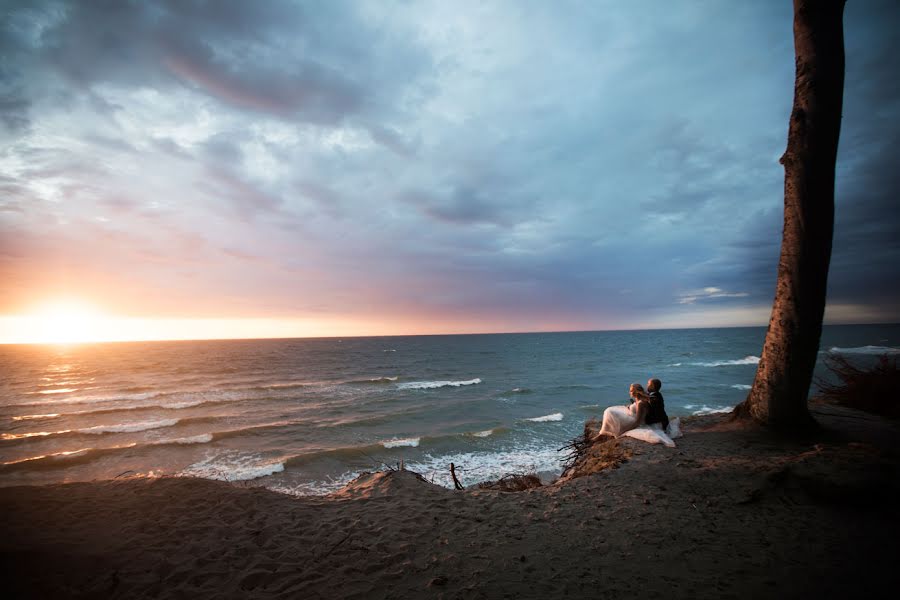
(625, 420)
(619, 419)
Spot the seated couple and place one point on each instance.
(645, 409)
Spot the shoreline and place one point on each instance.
(731, 512)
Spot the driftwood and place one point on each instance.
(456, 482)
(590, 453)
(579, 447)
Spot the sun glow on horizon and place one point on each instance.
(66, 322)
(72, 321)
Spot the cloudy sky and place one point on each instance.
(316, 168)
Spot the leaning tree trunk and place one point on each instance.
(779, 393)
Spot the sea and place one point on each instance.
(305, 416)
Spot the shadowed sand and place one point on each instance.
(730, 513)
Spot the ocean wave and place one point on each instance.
(286, 385)
(488, 432)
(56, 391)
(105, 411)
(319, 487)
(429, 385)
(254, 429)
(169, 399)
(129, 427)
(90, 399)
(402, 443)
(31, 417)
(158, 401)
(865, 350)
(710, 410)
(234, 466)
(741, 386)
(203, 438)
(475, 467)
(546, 418)
(341, 454)
(517, 390)
(31, 434)
(373, 380)
(60, 460)
(747, 360)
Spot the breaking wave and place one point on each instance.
(747, 360)
(431, 385)
(402, 442)
(234, 466)
(865, 350)
(546, 418)
(374, 380)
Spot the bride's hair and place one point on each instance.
(637, 390)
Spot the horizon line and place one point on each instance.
(399, 335)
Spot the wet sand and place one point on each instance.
(732, 512)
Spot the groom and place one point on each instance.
(657, 412)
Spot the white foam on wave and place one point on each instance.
(22, 436)
(129, 427)
(747, 360)
(203, 438)
(92, 399)
(546, 418)
(401, 442)
(485, 433)
(177, 405)
(865, 350)
(710, 410)
(475, 467)
(741, 386)
(284, 385)
(313, 488)
(29, 417)
(233, 466)
(429, 385)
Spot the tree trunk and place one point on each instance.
(779, 394)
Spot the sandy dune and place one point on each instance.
(730, 513)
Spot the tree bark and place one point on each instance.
(779, 394)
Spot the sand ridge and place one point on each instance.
(730, 513)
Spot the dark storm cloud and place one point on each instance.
(269, 57)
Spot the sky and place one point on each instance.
(242, 169)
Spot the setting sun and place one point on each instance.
(67, 322)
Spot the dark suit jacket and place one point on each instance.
(657, 412)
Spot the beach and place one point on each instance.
(732, 512)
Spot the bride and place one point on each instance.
(619, 419)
